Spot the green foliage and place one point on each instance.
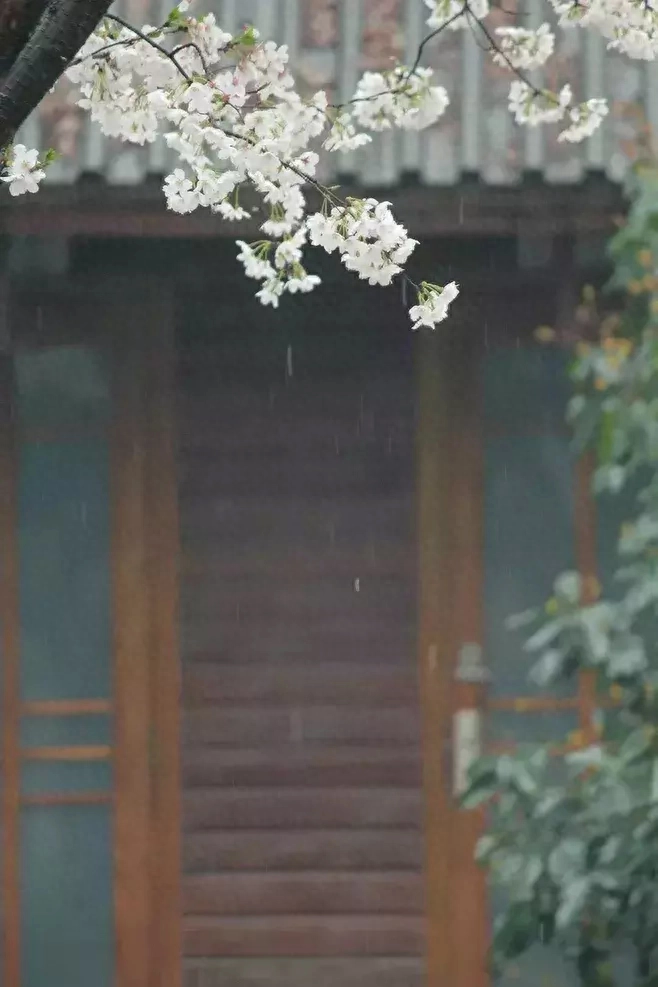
(572, 834)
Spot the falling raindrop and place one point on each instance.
(357, 585)
(289, 362)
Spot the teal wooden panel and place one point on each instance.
(528, 541)
(66, 731)
(530, 728)
(62, 385)
(525, 387)
(65, 777)
(64, 578)
(67, 923)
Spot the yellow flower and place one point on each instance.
(600, 384)
(617, 346)
(635, 287)
(645, 257)
(616, 693)
(552, 606)
(545, 334)
(576, 738)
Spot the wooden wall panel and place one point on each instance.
(302, 792)
(355, 971)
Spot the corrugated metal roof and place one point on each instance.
(332, 41)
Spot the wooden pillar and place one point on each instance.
(469, 894)
(435, 637)
(162, 567)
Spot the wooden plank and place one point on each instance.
(320, 683)
(350, 971)
(306, 808)
(364, 601)
(468, 893)
(391, 563)
(290, 765)
(10, 637)
(131, 650)
(250, 727)
(273, 641)
(313, 893)
(435, 639)
(332, 849)
(66, 707)
(163, 554)
(324, 935)
(89, 753)
(322, 478)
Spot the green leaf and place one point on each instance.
(635, 745)
(248, 38)
(573, 899)
(517, 932)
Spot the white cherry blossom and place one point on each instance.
(585, 119)
(455, 14)
(523, 48)
(433, 304)
(533, 107)
(228, 107)
(23, 170)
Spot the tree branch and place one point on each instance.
(18, 19)
(60, 32)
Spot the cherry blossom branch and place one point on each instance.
(151, 41)
(492, 46)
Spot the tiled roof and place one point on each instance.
(332, 41)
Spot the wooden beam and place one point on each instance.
(91, 753)
(10, 643)
(162, 564)
(435, 639)
(131, 618)
(470, 920)
(95, 208)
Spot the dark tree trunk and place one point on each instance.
(38, 39)
(18, 19)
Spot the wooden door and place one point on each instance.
(89, 677)
(508, 511)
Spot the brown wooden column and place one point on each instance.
(435, 636)
(162, 568)
(131, 633)
(468, 884)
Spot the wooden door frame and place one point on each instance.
(136, 317)
(449, 538)
(451, 491)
